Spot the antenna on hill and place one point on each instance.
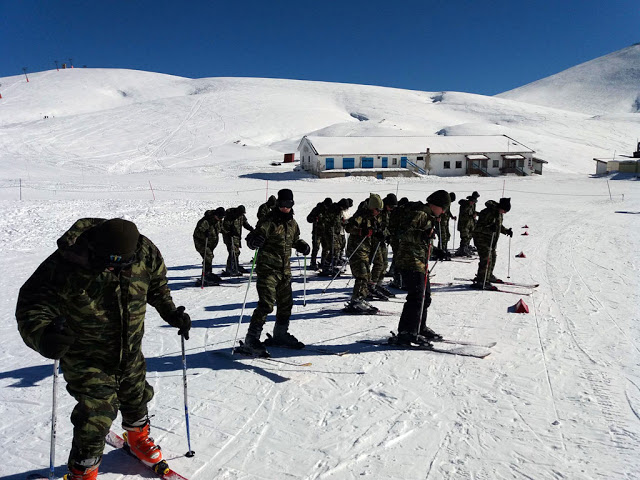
(24, 69)
(56, 62)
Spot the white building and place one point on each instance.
(487, 155)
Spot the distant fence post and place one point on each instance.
(152, 192)
(609, 191)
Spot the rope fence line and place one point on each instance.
(22, 185)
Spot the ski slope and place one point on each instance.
(559, 396)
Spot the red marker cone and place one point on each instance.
(525, 233)
(521, 255)
(520, 307)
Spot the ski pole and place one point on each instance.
(454, 233)
(509, 263)
(244, 303)
(54, 421)
(204, 261)
(190, 453)
(486, 271)
(304, 295)
(343, 265)
(58, 324)
(424, 289)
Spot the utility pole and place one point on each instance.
(56, 62)
(24, 69)
(71, 62)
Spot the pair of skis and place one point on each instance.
(461, 348)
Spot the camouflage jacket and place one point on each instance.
(232, 224)
(332, 221)
(489, 222)
(316, 216)
(105, 310)
(208, 227)
(280, 232)
(357, 227)
(264, 209)
(413, 249)
(466, 217)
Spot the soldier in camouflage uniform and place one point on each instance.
(396, 225)
(85, 305)
(485, 237)
(443, 233)
(232, 224)
(361, 228)
(266, 207)
(331, 237)
(274, 237)
(380, 261)
(466, 224)
(315, 218)
(205, 239)
(412, 260)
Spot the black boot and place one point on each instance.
(253, 347)
(282, 338)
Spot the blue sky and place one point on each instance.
(478, 47)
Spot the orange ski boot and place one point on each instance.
(90, 473)
(143, 447)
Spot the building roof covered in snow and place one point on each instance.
(397, 145)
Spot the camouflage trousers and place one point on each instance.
(444, 235)
(414, 312)
(315, 243)
(233, 258)
(100, 395)
(331, 248)
(380, 263)
(465, 239)
(274, 288)
(206, 254)
(360, 270)
(487, 254)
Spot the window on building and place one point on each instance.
(496, 163)
(447, 164)
(394, 161)
(459, 164)
(419, 158)
(521, 162)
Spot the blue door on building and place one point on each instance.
(403, 162)
(348, 162)
(367, 162)
(329, 163)
(385, 162)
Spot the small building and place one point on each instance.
(619, 163)
(485, 155)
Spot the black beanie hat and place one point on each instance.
(475, 195)
(440, 198)
(343, 204)
(272, 200)
(326, 202)
(505, 204)
(114, 241)
(403, 201)
(452, 196)
(219, 212)
(285, 198)
(390, 200)
(241, 210)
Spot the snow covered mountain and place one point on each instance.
(606, 85)
(558, 397)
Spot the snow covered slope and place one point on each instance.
(605, 85)
(559, 396)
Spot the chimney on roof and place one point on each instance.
(636, 154)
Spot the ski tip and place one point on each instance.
(308, 364)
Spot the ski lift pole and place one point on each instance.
(244, 303)
(343, 265)
(190, 453)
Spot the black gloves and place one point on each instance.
(56, 339)
(509, 232)
(302, 247)
(379, 235)
(179, 319)
(366, 232)
(255, 241)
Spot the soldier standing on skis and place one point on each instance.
(205, 239)
(396, 225)
(274, 237)
(412, 261)
(380, 260)
(232, 224)
(315, 218)
(266, 207)
(361, 228)
(443, 232)
(466, 224)
(485, 237)
(331, 237)
(85, 305)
